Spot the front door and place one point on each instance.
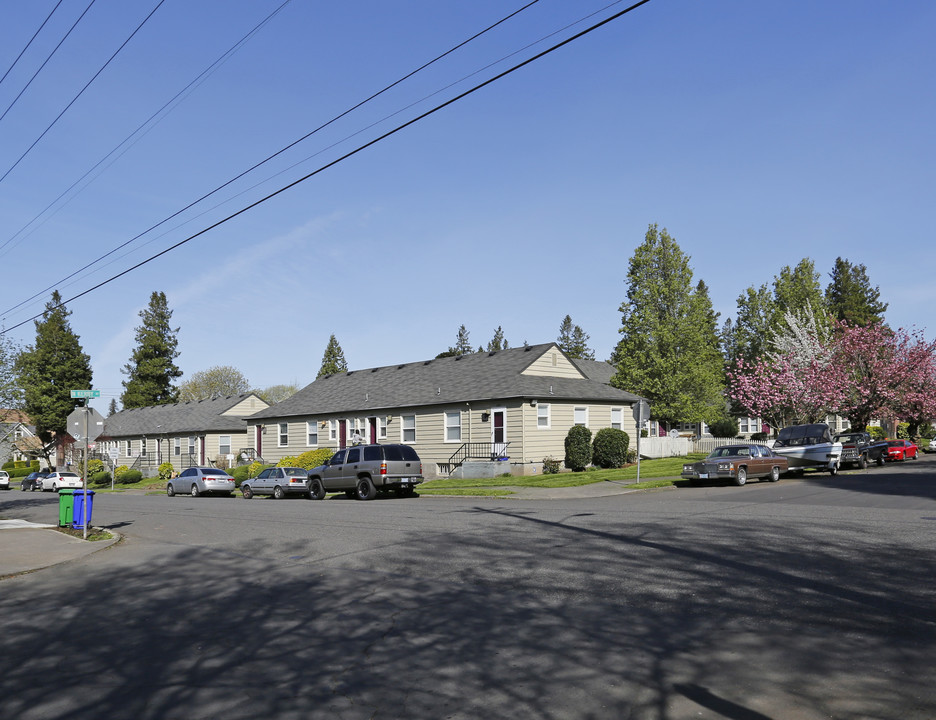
(498, 433)
(342, 433)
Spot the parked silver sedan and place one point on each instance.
(278, 482)
(201, 481)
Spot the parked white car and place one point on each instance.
(932, 446)
(55, 480)
(4, 480)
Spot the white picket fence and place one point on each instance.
(660, 447)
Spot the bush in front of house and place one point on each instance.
(550, 466)
(308, 459)
(724, 428)
(242, 472)
(101, 478)
(129, 477)
(165, 471)
(578, 449)
(95, 465)
(609, 449)
(876, 432)
(759, 437)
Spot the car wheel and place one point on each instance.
(170, 491)
(316, 490)
(247, 492)
(741, 477)
(881, 461)
(54, 487)
(834, 469)
(278, 493)
(195, 492)
(774, 474)
(365, 489)
(862, 462)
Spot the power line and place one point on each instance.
(49, 57)
(35, 34)
(197, 80)
(348, 155)
(81, 92)
(268, 158)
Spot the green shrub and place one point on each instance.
(8, 465)
(119, 472)
(550, 466)
(631, 456)
(927, 431)
(578, 450)
(903, 431)
(876, 433)
(130, 476)
(101, 478)
(95, 466)
(34, 466)
(165, 471)
(724, 428)
(240, 473)
(19, 472)
(308, 459)
(759, 436)
(255, 467)
(609, 449)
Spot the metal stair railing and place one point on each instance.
(478, 451)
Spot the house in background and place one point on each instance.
(18, 439)
(514, 406)
(204, 432)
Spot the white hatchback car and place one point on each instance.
(55, 480)
(4, 480)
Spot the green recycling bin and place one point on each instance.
(66, 506)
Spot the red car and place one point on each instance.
(901, 450)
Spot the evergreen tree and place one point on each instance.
(669, 351)
(50, 370)
(217, 381)
(152, 369)
(498, 342)
(850, 296)
(573, 341)
(112, 408)
(462, 345)
(333, 361)
(753, 325)
(797, 288)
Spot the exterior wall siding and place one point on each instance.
(553, 364)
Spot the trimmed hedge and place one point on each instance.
(609, 449)
(578, 449)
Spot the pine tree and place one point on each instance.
(796, 288)
(462, 345)
(850, 296)
(112, 408)
(573, 341)
(333, 361)
(753, 325)
(669, 351)
(51, 369)
(152, 370)
(498, 342)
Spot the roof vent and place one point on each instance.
(350, 372)
(427, 362)
(400, 367)
(493, 352)
(375, 369)
(458, 357)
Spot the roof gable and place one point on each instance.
(214, 415)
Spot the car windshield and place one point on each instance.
(803, 435)
(213, 471)
(294, 471)
(729, 451)
(847, 438)
(896, 443)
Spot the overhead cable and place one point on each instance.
(35, 34)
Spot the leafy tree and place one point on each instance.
(50, 369)
(462, 345)
(11, 396)
(217, 381)
(669, 352)
(747, 338)
(498, 342)
(795, 288)
(277, 393)
(724, 428)
(152, 369)
(573, 340)
(333, 361)
(850, 296)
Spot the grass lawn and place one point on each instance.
(661, 472)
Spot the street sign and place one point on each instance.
(113, 454)
(85, 420)
(86, 393)
(641, 411)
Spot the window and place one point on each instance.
(224, 444)
(333, 430)
(177, 447)
(617, 418)
(191, 445)
(453, 426)
(129, 449)
(543, 419)
(580, 415)
(408, 430)
(311, 433)
(381, 428)
(283, 434)
(354, 455)
(143, 447)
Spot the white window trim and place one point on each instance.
(177, 447)
(620, 423)
(279, 435)
(541, 407)
(575, 409)
(381, 427)
(445, 425)
(404, 428)
(312, 429)
(230, 444)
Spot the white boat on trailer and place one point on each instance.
(809, 446)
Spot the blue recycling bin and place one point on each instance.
(78, 510)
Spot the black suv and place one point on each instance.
(31, 481)
(362, 470)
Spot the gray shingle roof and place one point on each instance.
(479, 377)
(190, 417)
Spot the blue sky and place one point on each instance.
(757, 133)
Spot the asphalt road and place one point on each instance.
(809, 598)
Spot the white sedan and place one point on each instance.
(54, 481)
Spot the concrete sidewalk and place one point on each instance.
(26, 546)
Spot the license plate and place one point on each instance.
(404, 480)
(703, 476)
